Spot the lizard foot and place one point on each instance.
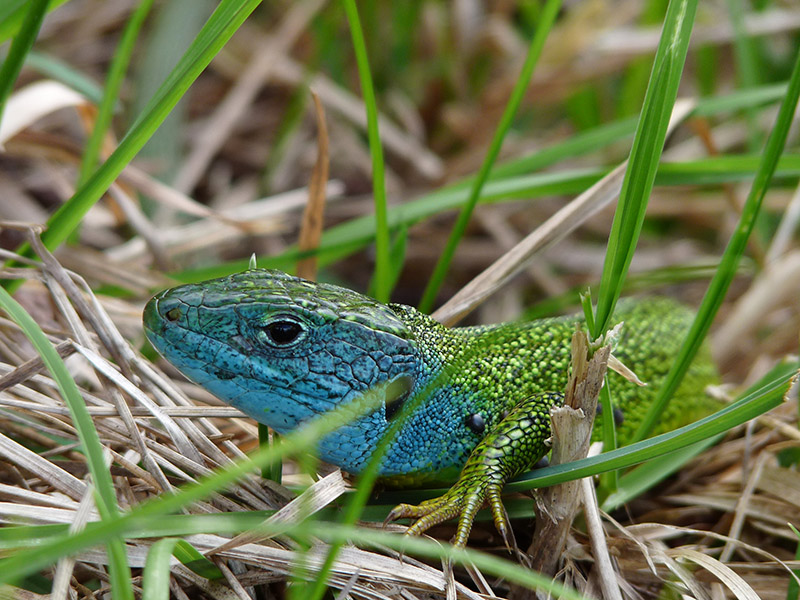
(510, 448)
(463, 500)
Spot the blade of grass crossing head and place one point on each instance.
(648, 143)
(367, 478)
(729, 263)
(382, 266)
(143, 517)
(16, 566)
(534, 51)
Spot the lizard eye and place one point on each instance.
(281, 332)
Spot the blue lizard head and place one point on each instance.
(284, 350)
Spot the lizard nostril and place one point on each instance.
(173, 314)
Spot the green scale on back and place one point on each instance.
(285, 350)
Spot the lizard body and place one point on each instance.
(284, 350)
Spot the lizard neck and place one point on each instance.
(467, 379)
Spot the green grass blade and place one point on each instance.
(13, 13)
(383, 274)
(648, 143)
(142, 519)
(397, 254)
(170, 32)
(20, 46)
(608, 481)
(118, 570)
(116, 75)
(52, 67)
(636, 76)
(29, 560)
(90, 441)
(157, 568)
(16, 537)
(749, 406)
(345, 239)
(747, 67)
(740, 100)
(105, 497)
(365, 484)
(633, 484)
(156, 575)
(222, 24)
(728, 266)
(534, 51)
(192, 559)
(793, 590)
(576, 145)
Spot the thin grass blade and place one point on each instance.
(730, 259)
(383, 276)
(645, 153)
(20, 47)
(116, 74)
(156, 575)
(547, 18)
(222, 24)
(105, 497)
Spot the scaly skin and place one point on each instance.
(284, 350)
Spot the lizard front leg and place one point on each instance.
(516, 443)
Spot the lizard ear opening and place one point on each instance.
(476, 423)
(402, 387)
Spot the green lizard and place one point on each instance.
(284, 350)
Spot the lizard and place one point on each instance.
(284, 350)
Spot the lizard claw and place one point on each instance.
(463, 500)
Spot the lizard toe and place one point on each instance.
(436, 516)
(500, 517)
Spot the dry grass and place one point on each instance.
(717, 529)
